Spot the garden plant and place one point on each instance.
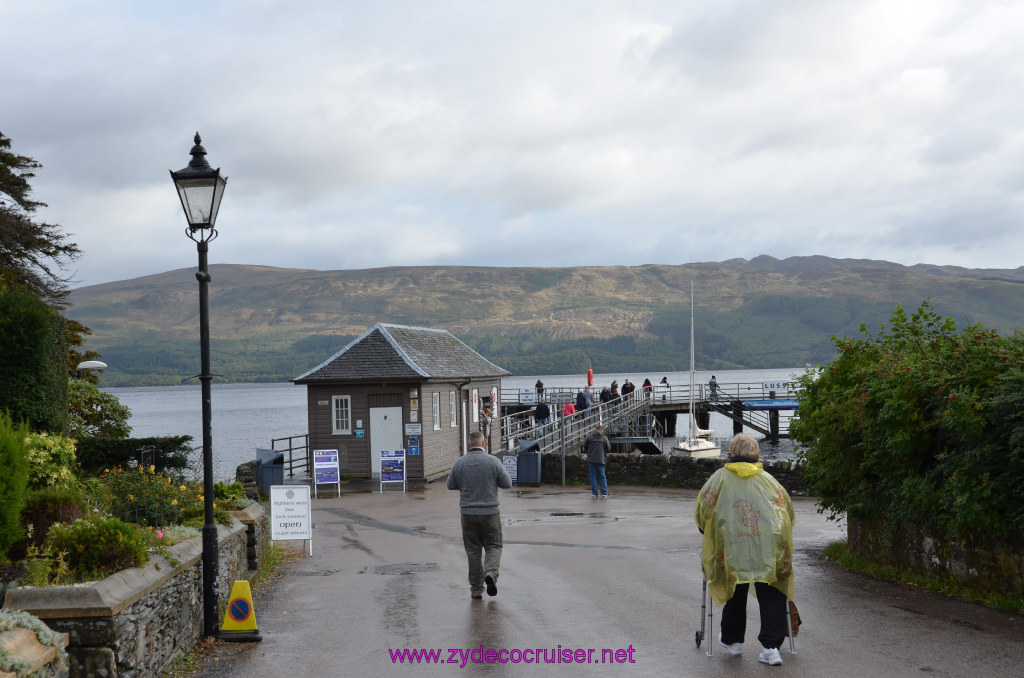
(919, 424)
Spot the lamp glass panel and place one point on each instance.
(197, 199)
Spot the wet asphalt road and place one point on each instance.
(388, 573)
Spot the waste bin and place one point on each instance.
(269, 469)
(528, 466)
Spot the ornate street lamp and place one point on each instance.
(201, 188)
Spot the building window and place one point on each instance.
(435, 401)
(342, 420)
(453, 419)
(476, 405)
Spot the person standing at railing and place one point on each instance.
(627, 388)
(541, 415)
(567, 411)
(713, 385)
(597, 448)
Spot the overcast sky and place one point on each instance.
(551, 133)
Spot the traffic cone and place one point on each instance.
(240, 619)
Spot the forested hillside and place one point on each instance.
(270, 324)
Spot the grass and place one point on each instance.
(840, 553)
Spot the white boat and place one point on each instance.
(697, 444)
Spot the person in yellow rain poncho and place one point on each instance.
(746, 517)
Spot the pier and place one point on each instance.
(643, 419)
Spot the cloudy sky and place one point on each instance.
(549, 133)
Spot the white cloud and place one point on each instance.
(364, 134)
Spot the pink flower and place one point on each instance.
(159, 534)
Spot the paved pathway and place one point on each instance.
(388, 573)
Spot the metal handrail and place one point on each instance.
(302, 462)
(660, 393)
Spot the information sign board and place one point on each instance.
(290, 514)
(511, 463)
(392, 467)
(326, 470)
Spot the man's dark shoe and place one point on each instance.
(492, 586)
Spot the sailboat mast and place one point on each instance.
(693, 420)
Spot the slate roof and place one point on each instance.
(401, 352)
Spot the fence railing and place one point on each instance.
(297, 454)
(662, 393)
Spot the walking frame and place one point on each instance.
(705, 608)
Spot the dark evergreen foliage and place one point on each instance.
(33, 362)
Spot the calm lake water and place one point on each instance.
(249, 416)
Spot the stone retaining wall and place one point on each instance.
(137, 622)
(984, 563)
(654, 470)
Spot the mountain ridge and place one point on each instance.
(268, 322)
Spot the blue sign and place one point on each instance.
(781, 404)
(414, 446)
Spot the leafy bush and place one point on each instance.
(145, 497)
(43, 508)
(51, 460)
(13, 479)
(170, 453)
(920, 424)
(96, 547)
(92, 412)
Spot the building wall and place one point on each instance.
(439, 448)
(356, 450)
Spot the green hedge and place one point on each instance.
(920, 425)
(33, 362)
(97, 454)
(13, 480)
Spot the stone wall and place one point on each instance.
(137, 622)
(654, 470)
(981, 562)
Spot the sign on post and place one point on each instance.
(326, 470)
(290, 514)
(392, 467)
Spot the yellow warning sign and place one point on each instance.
(240, 618)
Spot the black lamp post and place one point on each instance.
(201, 188)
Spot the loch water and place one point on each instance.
(248, 416)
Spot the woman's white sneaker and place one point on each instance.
(770, 656)
(734, 648)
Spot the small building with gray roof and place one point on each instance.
(399, 387)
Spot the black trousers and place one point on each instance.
(773, 606)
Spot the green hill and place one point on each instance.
(272, 324)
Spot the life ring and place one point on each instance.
(590, 377)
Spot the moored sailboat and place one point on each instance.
(697, 443)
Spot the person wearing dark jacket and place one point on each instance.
(541, 416)
(477, 476)
(597, 447)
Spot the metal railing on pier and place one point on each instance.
(297, 455)
(627, 417)
(664, 394)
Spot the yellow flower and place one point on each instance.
(131, 498)
(174, 502)
(182, 488)
(152, 468)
